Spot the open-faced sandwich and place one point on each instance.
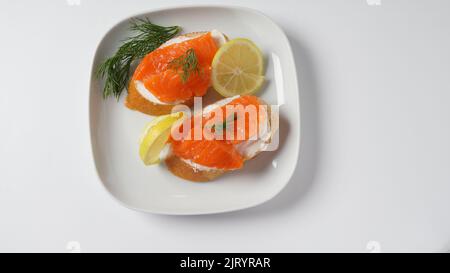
(208, 144)
(174, 73)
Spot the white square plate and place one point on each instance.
(115, 130)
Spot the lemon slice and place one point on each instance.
(237, 68)
(155, 136)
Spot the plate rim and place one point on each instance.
(180, 7)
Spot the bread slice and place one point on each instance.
(135, 101)
(183, 170)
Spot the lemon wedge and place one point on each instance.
(237, 68)
(155, 137)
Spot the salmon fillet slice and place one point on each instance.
(217, 152)
(165, 83)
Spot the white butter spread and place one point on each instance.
(219, 103)
(148, 95)
(218, 37)
(198, 167)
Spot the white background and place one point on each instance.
(374, 163)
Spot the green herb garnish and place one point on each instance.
(116, 69)
(218, 128)
(187, 63)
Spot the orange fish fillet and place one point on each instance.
(165, 83)
(218, 152)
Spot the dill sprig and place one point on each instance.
(187, 63)
(219, 128)
(116, 69)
